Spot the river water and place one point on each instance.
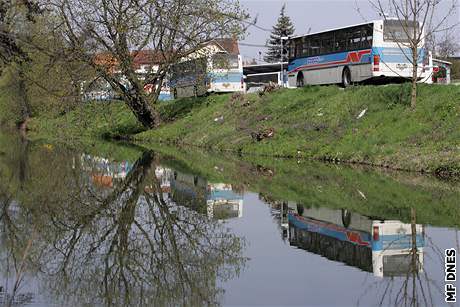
(117, 225)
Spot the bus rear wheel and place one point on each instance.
(195, 91)
(346, 218)
(300, 80)
(346, 77)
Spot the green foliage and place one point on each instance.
(51, 80)
(10, 111)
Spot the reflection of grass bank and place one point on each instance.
(371, 193)
(11, 144)
(313, 122)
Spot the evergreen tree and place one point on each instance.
(283, 27)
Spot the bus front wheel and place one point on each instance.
(300, 80)
(346, 77)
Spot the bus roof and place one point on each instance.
(335, 29)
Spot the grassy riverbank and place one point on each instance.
(381, 195)
(365, 124)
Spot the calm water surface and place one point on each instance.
(116, 225)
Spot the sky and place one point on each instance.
(316, 14)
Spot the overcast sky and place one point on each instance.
(315, 14)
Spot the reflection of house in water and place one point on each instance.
(216, 200)
(164, 175)
(104, 172)
(381, 247)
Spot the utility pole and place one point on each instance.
(282, 38)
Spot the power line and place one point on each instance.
(253, 45)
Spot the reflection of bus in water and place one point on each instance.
(216, 200)
(223, 202)
(383, 247)
(189, 191)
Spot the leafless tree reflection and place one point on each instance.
(415, 287)
(14, 253)
(128, 246)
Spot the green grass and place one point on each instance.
(321, 123)
(317, 122)
(102, 120)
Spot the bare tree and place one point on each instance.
(447, 46)
(109, 34)
(414, 21)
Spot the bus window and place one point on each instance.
(327, 44)
(341, 41)
(306, 47)
(292, 49)
(354, 41)
(225, 61)
(315, 46)
(397, 30)
(368, 36)
(298, 48)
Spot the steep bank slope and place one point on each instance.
(371, 124)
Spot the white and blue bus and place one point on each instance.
(375, 50)
(218, 70)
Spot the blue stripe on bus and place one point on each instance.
(224, 194)
(331, 230)
(230, 77)
(397, 55)
(387, 55)
(226, 77)
(165, 96)
(330, 60)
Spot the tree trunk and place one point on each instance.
(23, 101)
(413, 100)
(144, 112)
